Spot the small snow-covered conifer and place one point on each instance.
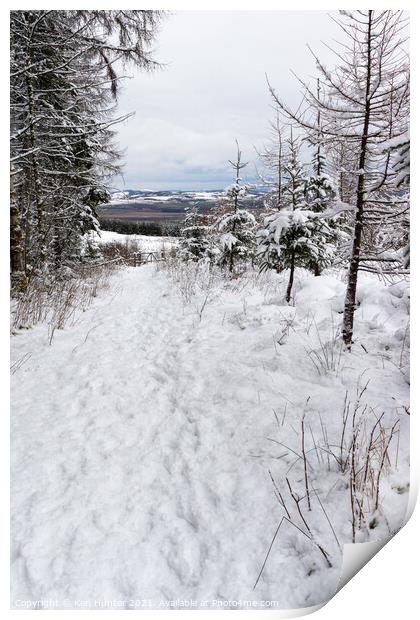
(195, 243)
(320, 196)
(236, 227)
(293, 192)
(297, 236)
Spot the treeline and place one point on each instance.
(66, 68)
(154, 229)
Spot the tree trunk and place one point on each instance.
(279, 166)
(291, 277)
(231, 261)
(17, 262)
(350, 299)
(36, 184)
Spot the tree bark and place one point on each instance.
(231, 261)
(291, 277)
(279, 167)
(350, 299)
(36, 183)
(17, 262)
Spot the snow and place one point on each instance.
(228, 241)
(204, 195)
(338, 208)
(119, 196)
(143, 435)
(147, 243)
(278, 222)
(299, 217)
(396, 142)
(149, 195)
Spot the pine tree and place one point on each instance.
(17, 263)
(236, 227)
(399, 148)
(296, 238)
(272, 254)
(63, 88)
(320, 196)
(300, 234)
(195, 236)
(319, 187)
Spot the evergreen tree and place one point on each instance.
(399, 148)
(63, 87)
(236, 227)
(195, 233)
(297, 236)
(320, 196)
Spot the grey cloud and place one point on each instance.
(213, 90)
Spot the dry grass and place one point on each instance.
(130, 253)
(327, 356)
(356, 459)
(57, 299)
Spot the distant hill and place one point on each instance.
(152, 205)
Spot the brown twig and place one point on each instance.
(305, 465)
(280, 496)
(382, 464)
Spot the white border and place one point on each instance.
(387, 586)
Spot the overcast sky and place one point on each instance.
(213, 90)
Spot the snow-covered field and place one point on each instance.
(147, 243)
(147, 436)
(146, 195)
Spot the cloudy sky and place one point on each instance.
(213, 90)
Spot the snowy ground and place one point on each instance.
(147, 243)
(143, 437)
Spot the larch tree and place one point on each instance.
(272, 155)
(364, 103)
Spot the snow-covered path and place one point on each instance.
(139, 464)
(131, 473)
